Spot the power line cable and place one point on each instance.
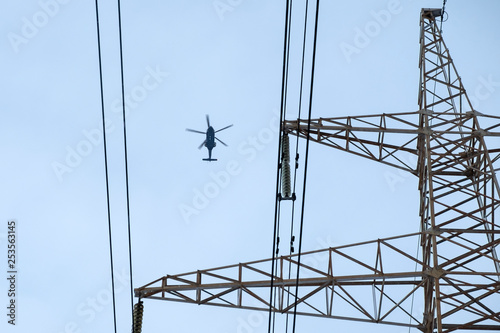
(105, 163)
(284, 79)
(442, 16)
(313, 65)
(297, 151)
(126, 160)
(414, 280)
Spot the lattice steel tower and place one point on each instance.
(456, 273)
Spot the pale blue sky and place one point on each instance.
(182, 60)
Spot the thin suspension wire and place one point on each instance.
(300, 105)
(414, 280)
(287, 63)
(276, 262)
(438, 46)
(442, 16)
(297, 145)
(276, 209)
(106, 164)
(313, 65)
(285, 108)
(300, 94)
(126, 161)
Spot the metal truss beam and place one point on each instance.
(332, 281)
(389, 138)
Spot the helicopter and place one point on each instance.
(210, 139)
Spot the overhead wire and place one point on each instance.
(438, 46)
(284, 82)
(283, 141)
(106, 164)
(414, 280)
(442, 16)
(297, 152)
(126, 160)
(306, 159)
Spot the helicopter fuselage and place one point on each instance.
(210, 141)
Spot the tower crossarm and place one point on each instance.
(331, 282)
(389, 138)
(328, 284)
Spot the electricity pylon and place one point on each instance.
(456, 273)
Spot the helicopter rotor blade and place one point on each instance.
(202, 144)
(220, 141)
(208, 121)
(195, 131)
(223, 128)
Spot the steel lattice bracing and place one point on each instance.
(458, 273)
(331, 281)
(335, 284)
(459, 195)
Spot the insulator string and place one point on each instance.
(137, 316)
